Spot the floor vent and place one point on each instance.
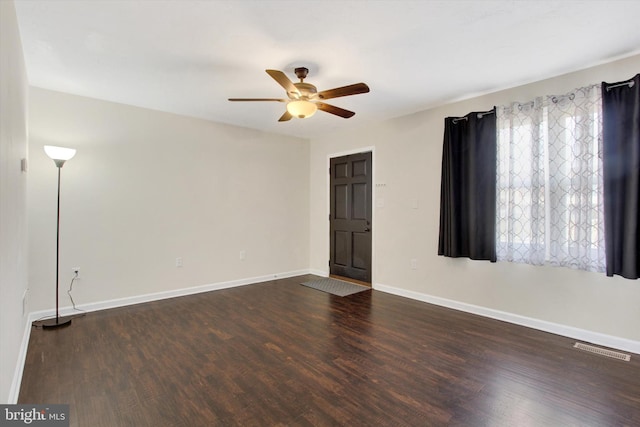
(602, 351)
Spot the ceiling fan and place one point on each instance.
(304, 99)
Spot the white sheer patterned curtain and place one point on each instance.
(521, 184)
(549, 198)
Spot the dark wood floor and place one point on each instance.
(281, 354)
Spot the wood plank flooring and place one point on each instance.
(281, 354)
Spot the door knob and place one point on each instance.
(367, 229)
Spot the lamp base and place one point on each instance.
(56, 322)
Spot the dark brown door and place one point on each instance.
(350, 217)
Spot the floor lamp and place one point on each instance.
(59, 155)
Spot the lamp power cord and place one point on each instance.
(73, 303)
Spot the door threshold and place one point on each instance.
(349, 279)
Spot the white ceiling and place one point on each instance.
(188, 57)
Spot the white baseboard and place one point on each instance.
(319, 273)
(122, 302)
(542, 325)
(14, 391)
(156, 296)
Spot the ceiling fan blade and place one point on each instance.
(335, 110)
(258, 99)
(285, 117)
(284, 81)
(353, 89)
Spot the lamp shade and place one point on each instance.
(59, 153)
(302, 108)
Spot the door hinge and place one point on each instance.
(329, 217)
(329, 262)
(329, 171)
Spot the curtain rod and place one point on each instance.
(479, 115)
(533, 103)
(555, 99)
(629, 82)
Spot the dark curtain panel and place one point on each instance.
(621, 172)
(468, 187)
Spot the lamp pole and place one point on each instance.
(59, 156)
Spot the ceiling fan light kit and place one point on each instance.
(302, 109)
(304, 99)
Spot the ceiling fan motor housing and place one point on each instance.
(306, 90)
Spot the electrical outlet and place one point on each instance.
(414, 263)
(179, 262)
(243, 255)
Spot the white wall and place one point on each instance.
(146, 187)
(408, 154)
(13, 196)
